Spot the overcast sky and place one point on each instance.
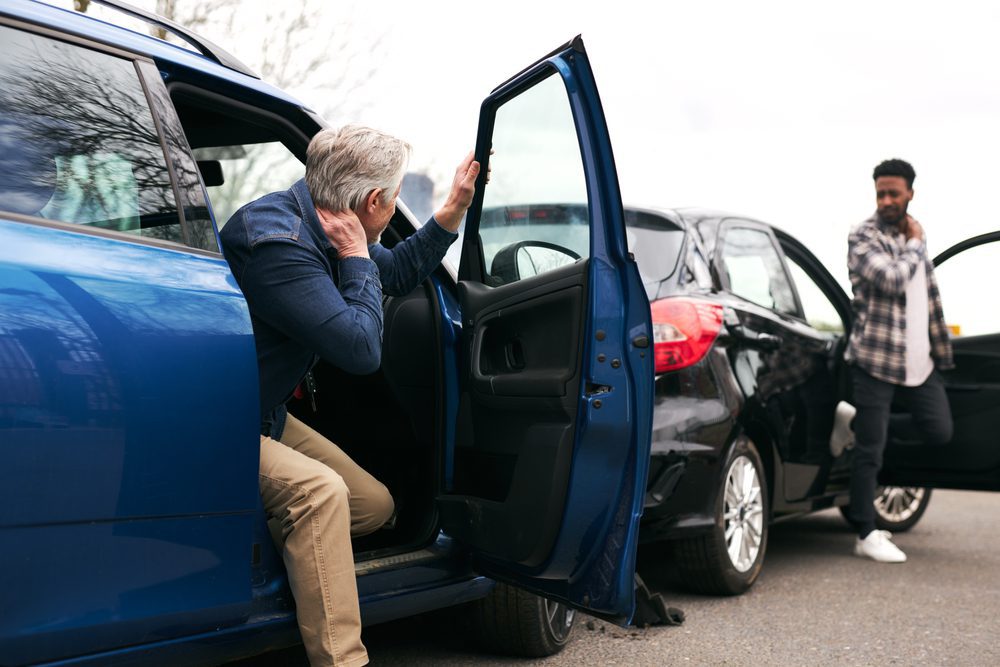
(776, 110)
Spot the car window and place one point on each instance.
(754, 269)
(655, 242)
(816, 306)
(535, 216)
(961, 280)
(78, 143)
(248, 172)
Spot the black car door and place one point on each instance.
(778, 358)
(972, 459)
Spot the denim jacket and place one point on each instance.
(305, 302)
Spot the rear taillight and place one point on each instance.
(683, 331)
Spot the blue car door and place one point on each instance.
(128, 380)
(554, 412)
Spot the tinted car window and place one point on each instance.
(656, 244)
(819, 311)
(78, 143)
(755, 271)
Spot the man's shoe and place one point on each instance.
(842, 436)
(879, 547)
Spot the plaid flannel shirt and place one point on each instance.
(881, 263)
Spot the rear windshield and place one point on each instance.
(656, 243)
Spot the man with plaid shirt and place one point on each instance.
(898, 344)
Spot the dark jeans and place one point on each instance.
(929, 421)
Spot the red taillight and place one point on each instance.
(683, 331)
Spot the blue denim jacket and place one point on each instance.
(305, 302)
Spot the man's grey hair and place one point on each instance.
(343, 166)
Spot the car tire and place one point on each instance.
(511, 621)
(898, 508)
(728, 559)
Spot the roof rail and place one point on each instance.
(205, 47)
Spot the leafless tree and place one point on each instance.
(307, 49)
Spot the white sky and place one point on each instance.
(776, 110)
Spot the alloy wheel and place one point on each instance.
(898, 503)
(743, 514)
(559, 618)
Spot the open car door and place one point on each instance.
(972, 459)
(553, 427)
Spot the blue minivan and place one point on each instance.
(510, 419)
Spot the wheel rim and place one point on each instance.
(898, 503)
(743, 514)
(559, 618)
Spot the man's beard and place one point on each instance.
(896, 218)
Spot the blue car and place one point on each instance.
(510, 418)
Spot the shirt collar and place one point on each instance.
(308, 211)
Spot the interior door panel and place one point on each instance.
(516, 420)
(972, 459)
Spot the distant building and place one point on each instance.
(418, 194)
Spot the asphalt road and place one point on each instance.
(814, 604)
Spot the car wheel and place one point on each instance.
(727, 560)
(898, 508)
(514, 622)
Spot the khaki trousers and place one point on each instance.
(321, 498)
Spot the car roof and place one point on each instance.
(167, 56)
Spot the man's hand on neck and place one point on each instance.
(911, 228)
(344, 231)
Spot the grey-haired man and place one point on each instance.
(310, 265)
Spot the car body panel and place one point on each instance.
(120, 350)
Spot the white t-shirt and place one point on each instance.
(919, 363)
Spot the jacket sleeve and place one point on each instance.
(868, 259)
(410, 262)
(288, 286)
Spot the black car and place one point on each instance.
(749, 335)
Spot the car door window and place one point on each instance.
(78, 143)
(817, 308)
(966, 309)
(755, 270)
(244, 173)
(535, 216)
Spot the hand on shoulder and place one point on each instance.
(913, 230)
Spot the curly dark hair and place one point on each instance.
(896, 167)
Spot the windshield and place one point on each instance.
(656, 244)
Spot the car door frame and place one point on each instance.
(590, 561)
(957, 465)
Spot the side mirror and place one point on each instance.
(525, 259)
(211, 172)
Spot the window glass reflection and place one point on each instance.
(77, 140)
(755, 270)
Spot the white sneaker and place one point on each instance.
(842, 437)
(879, 547)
